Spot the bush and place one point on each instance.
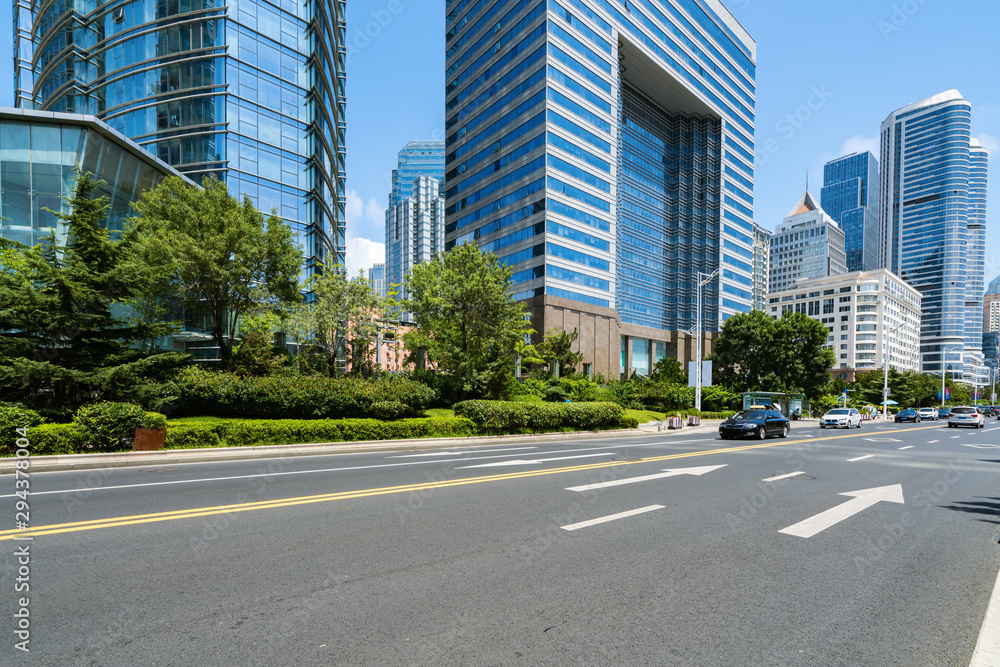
(519, 417)
(201, 392)
(109, 427)
(192, 436)
(12, 418)
(49, 439)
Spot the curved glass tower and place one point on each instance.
(249, 91)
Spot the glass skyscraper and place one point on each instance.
(418, 158)
(807, 244)
(932, 229)
(606, 155)
(850, 197)
(250, 91)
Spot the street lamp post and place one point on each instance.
(885, 366)
(708, 277)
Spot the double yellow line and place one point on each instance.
(114, 522)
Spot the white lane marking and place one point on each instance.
(882, 440)
(521, 462)
(987, 653)
(861, 458)
(612, 517)
(931, 442)
(785, 476)
(907, 447)
(860, 501)
(447, 453)
(955, 436)
(981, 446)
(646, 478)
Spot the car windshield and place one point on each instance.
(962, 411)
(750, 414)
(907, 412)
(839, 412)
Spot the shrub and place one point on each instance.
(49, 439)
(192, 436)
(109, 427)
(517, 417)
(12, 418)
(201, 392)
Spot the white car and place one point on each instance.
(841, 418)
(928, 413)
(966, 416)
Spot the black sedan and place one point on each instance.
(755, 424)
(908, 415)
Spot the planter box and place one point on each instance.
(674, 423)
(694, 420)
(149, 439)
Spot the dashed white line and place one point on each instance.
(775, 479)
(907, 447)
(955, 436)
(612, 517)
(931, 442)
(861, 458)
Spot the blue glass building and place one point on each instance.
(250, 91)
(605, 153)
(850, 197)
(931, 233)
(418, 158)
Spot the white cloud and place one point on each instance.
(859, 144)
(362, 253)
(364, 219)
(990, 143)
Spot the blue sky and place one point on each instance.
(863, 58)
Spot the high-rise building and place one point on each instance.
(872, 319)
(418, 158)
(931, 229)
(761, 266)
(850, 196)
(991, 312)
(605, 153)
(249, 91)
(414, 231)
(994, 286)
(807, 244)
(376, 278)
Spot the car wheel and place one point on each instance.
(917, 420)
(761, 433)
(821, 426)
(859, 423)
(785, 430)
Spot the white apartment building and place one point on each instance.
(868, 315)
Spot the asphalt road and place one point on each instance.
(509, 555)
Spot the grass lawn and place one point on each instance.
(439, 412)
(645, 416)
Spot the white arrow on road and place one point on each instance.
(646, 478)
(862, 500)
(522, 462)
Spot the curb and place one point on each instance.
(70, 462)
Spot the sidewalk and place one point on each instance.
(66, 462)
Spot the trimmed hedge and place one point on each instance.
(518, 417)
(12, 418)
(50, 439)
(202, 392)
(109, 427)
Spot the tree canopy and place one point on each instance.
(467, 320)
(225, 259)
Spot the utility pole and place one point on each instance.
(708, 277)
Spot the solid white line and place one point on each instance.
(907, 447)
(447, 453)
(987, 653)
(520, 462)
(611, 517)
(861, 458)
(775, 479)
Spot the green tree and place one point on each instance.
(668, 370)
(347, 315)
(758, 353)
(558, 346)
(65, 338)
(467, 319)
(225, 259)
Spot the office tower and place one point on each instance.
(376, 278)
(418, 158)
(872, 317)
(991, 312)
(761, 266)
(807, 244)
(414, 231)
(606, 155)
(931, 231)
(850, 196)
(994, 286)
(248, 91)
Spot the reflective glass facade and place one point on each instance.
(924, 214)
(807, 244)
(606, 153)
(249, 91)
(850, 197)
(38, 153)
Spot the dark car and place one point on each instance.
(755, 424)
(944, 413)
(908, 415)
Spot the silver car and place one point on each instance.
(928, 413)
(841, 418)
(966, 416)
